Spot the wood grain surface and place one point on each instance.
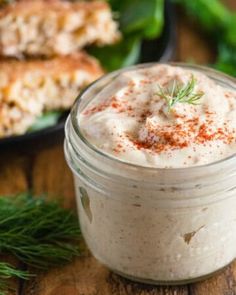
(46, 171)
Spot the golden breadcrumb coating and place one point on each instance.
(13, 120)
(54, 27)
(29, 88)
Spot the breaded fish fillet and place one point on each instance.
(54, 27)
(31, 87)
(13, 120)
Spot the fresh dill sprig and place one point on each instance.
(7, 271)
(40, 234)
(176, 92)
(37, 232)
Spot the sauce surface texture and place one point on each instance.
(131, 120)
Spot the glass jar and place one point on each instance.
(161, 226)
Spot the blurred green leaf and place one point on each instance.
(230, 31)
(138, 20)
(211, 14)
(226, 60)
(122, 54)
(220, 23)
(46, 120)
(142, 17)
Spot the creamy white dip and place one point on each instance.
(131, 121)
(157, 225)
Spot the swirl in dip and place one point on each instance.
(131, 121)
(146, 221)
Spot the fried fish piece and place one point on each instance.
(13, 120)
(54, 27)
(29, 88)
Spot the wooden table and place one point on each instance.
(46, 171)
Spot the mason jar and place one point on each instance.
(159, 226)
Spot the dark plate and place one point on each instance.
(161, 49)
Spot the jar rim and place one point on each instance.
(212, 73)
